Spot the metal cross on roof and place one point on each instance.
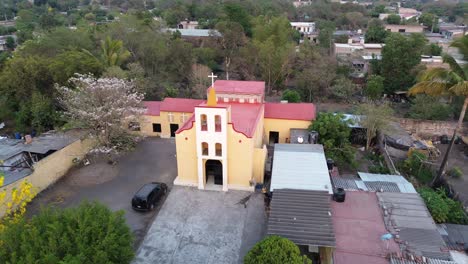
(212, 76)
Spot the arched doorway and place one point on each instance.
(214, 172)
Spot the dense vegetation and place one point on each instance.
(90, 233)
(126, 39)
(335, 134)
(443, 209)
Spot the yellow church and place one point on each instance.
(221, 142)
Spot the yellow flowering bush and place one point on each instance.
(15, 204)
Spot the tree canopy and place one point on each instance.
(275, 250)
(90, 233)
(400, 56)
(334, 133)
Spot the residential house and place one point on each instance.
(301, 196)
(389, 219)
(405, 28)
(198, 37)
(299, 3)
(363, 49)
(187, 24)
(307, 30)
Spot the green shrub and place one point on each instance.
(380, 169)
(275, 250)
(414, 166)
(456, 172)
(428, 107)
(334, 134)
(90, 233)
(436, 204)
(443, 209)
(291, 96)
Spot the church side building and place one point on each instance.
(221, 142)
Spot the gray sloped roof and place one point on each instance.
(375, 183)
(42, 144)
(455, 236)
(302, 216)
(404, 185)
(382, 186)
(395, 260)
(406, 214)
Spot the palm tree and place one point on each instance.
(113, 52)
(447, 82)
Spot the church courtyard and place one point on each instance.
(114, 185)
(196, 226)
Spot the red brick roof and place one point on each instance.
(239, 87)
(152, 107)
(291, 111)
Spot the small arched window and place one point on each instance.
(218, 123)
(205, 149)
(204, 124)
(219, 150)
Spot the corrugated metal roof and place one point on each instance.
(425, 242)
(196, 32)
(43, 144)
(13, 176)
(404, 185)
(302, 167)
(406, 214)
(455, 236)
(395, 260)
(302, 216)
(345, 183)
(378, 186)
(405, 210)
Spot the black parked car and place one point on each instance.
(148, 196)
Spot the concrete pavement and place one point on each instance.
(197, 226)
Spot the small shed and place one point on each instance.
(300, 167)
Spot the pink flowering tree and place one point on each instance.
(105, 106)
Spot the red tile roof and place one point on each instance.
(183, 105)
(358, 224)
(239, 87)
(292, 111)
(152, 107)
(187, 125)
(244, 118)
(180, 105)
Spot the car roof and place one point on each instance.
(146, 189)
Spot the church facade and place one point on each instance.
(221, 142)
